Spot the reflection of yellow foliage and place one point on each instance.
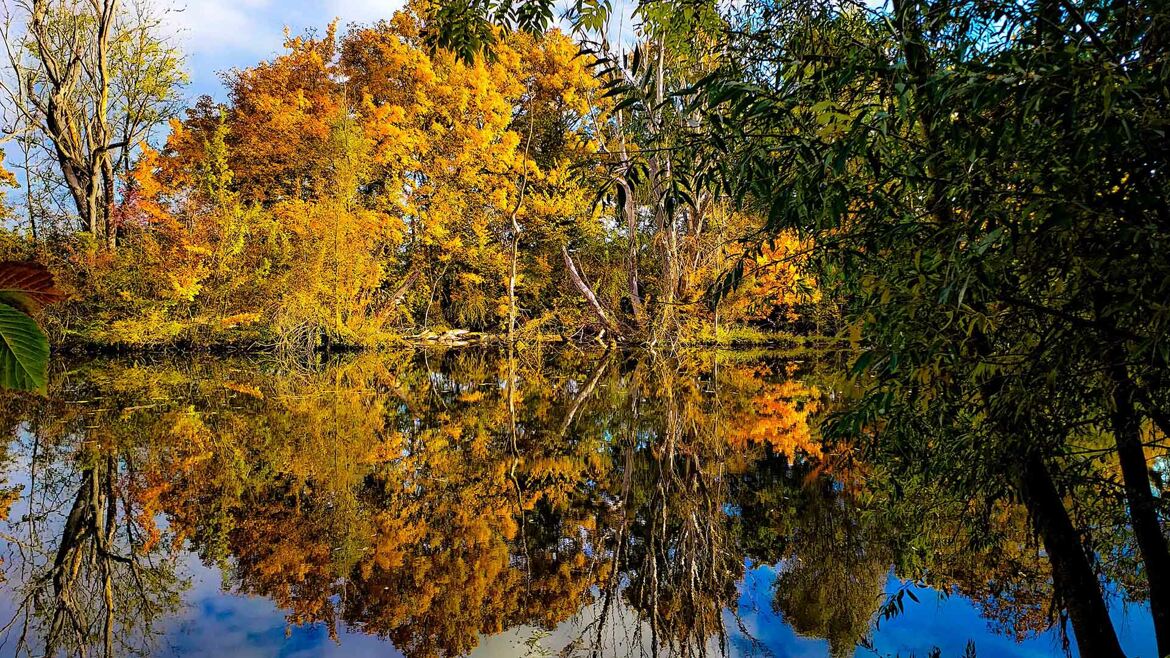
(243, 388)
(405, 488)
(778, 415)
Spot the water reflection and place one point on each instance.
(437, 500)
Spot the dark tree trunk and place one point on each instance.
(1072, 573)
(1143, 511)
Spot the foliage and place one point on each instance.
(360, 187)
(453, 495)
(980, 184)
(983, 186)
(24, 349)
(86, 83)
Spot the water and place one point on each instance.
(443, 504)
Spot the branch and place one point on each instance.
(583, 288)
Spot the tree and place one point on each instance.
(95, 78)
(985, 186)
(949, 165)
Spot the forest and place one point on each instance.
(959, 207)
(360, 188)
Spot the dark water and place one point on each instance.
(442, 504)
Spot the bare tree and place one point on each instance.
(94, 78)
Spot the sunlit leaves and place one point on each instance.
(470, 28)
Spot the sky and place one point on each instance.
(218, 35)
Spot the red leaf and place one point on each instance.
(28, 284)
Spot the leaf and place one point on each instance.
(629, 101)
(28, 286)
(24, 351)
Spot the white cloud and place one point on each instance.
(218, 35)
(223, 28)
(361, 11)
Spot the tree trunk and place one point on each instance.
(630, 211)
(1143, 511)
(80, 135)
(1072, 573)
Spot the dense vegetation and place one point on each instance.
(453, 508)
(353, 190)
(985, 187)
(978, 188)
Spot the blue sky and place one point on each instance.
(220, 34)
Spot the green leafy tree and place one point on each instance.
(985, 185)
(986, 188)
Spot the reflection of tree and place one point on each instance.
(690, 435)
(833, 576)
(384, 499)
(434, 498)
(92, 577)
(682, 572)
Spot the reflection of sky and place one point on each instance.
(936, 621)
(214, 623)
(220, 624)
(949, 622)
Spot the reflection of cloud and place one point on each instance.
(624, 635)
(215, 624)
(762, 625)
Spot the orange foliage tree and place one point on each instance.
(359, 186)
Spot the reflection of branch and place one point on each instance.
(584, 394)
(611, 585)
(515, 449)
(77, 603)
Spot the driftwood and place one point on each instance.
(401, 290)
(451, 338)
(392, 300)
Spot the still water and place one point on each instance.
(459, 503)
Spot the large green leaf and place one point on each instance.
(24, 351)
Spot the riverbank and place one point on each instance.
(736, 337)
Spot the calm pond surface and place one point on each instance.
(444, 504)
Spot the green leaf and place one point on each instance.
(24, 351)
